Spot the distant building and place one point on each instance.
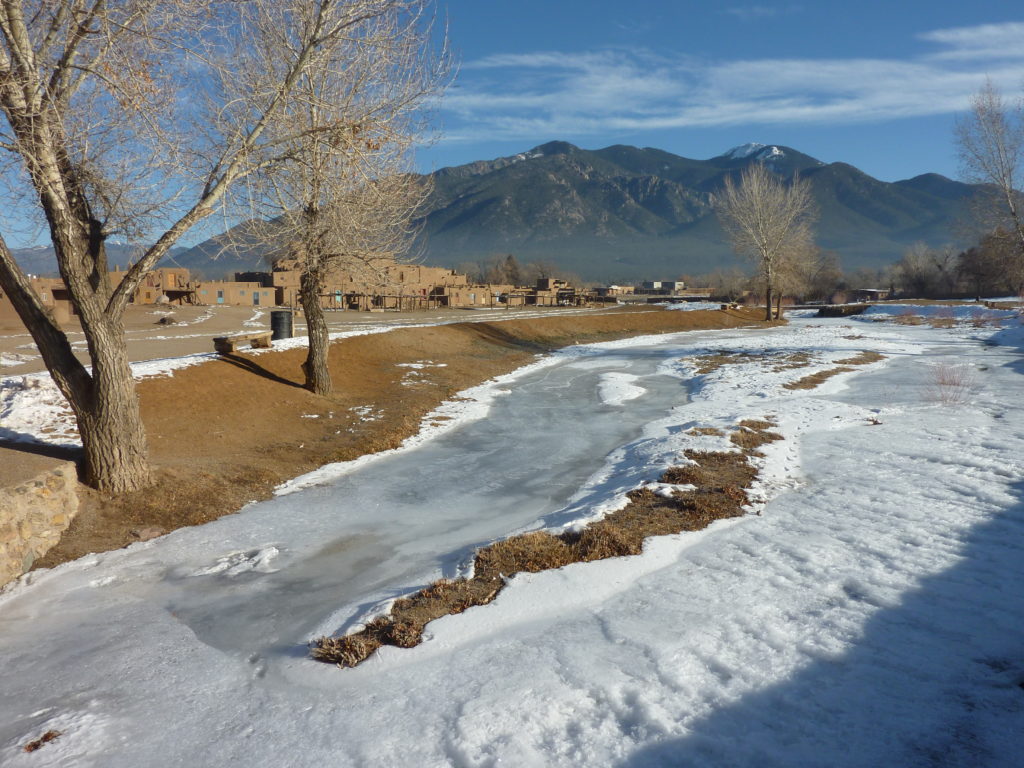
(381, 284)
(661, 287)
(869, 294)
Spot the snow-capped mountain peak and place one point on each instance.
(754, 149)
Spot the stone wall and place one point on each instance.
(33, 515)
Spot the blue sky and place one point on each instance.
(875, 84)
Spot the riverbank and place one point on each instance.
(228, 431)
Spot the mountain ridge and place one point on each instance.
(608, 212)
(631, 213)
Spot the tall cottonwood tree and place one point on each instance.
(122, 117)
(990, 140)
(767, 221)
(343, 195)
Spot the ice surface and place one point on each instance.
(868, 614)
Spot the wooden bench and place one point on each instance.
(226, 345)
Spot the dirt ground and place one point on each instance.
(156, 332)
(226, 432)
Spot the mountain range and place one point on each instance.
(627, 213)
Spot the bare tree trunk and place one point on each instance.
(110, 422)
(768, 300)
(318, 375)
(105, 402)
(778, 305)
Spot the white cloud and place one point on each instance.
(986, 41)
(550, 93)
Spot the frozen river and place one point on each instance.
(261, 583)
(318, 557)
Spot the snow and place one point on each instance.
(689, 306)
(744, 150)
(616, 388)
(866, 612)
(753, 149)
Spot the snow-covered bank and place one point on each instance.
(867, 616)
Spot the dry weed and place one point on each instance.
(908, 317)
(759, 424)
(750, 440)
(791, 360)
(713, 431)
(709, 363)
(863, 358)
(46, 738)
(815, 379)
(951, 384)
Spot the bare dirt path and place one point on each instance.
(228, 431)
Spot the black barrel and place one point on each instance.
(280, 324)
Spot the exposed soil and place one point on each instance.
(226, 432)
(720, 481)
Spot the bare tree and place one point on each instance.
(359, 230)
(795, 273)
(122, 117)
(990, 140)
(767, 221)
(729, 285)
(927, 272)
(990, 267)
(343, 192)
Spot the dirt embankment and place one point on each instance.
(226, 432)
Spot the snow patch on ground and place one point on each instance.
(616, 388)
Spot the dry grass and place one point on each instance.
(751, 439)
(778, 361)
(720, 479)
(792, 360)
(862, 358)
(712, 362)
(908, 317)
(713, 431)
(816, 379)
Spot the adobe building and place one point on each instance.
(52, 294)
(235, 294)
(379, 285)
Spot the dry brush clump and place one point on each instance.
(719, 479)
(951, 384)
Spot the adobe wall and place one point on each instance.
(33, 514)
